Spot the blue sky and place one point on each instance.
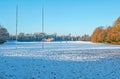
(77, 17)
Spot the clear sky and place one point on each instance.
(77, 17)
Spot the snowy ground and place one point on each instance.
(59, 60)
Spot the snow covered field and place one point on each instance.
(59, 60)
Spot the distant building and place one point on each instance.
(48, 40)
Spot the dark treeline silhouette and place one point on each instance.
(4, 35)
(46, 37)
(111, 34)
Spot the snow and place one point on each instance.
(73, 51)
(59, 60)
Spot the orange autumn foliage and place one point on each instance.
(110, 34)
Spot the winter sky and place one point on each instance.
(77, 17)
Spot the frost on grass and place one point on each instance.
(71, 51)
(59, 60)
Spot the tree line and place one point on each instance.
(111, 34)
(22, 37)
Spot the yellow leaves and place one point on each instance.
(98, 35)
(110, 34)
